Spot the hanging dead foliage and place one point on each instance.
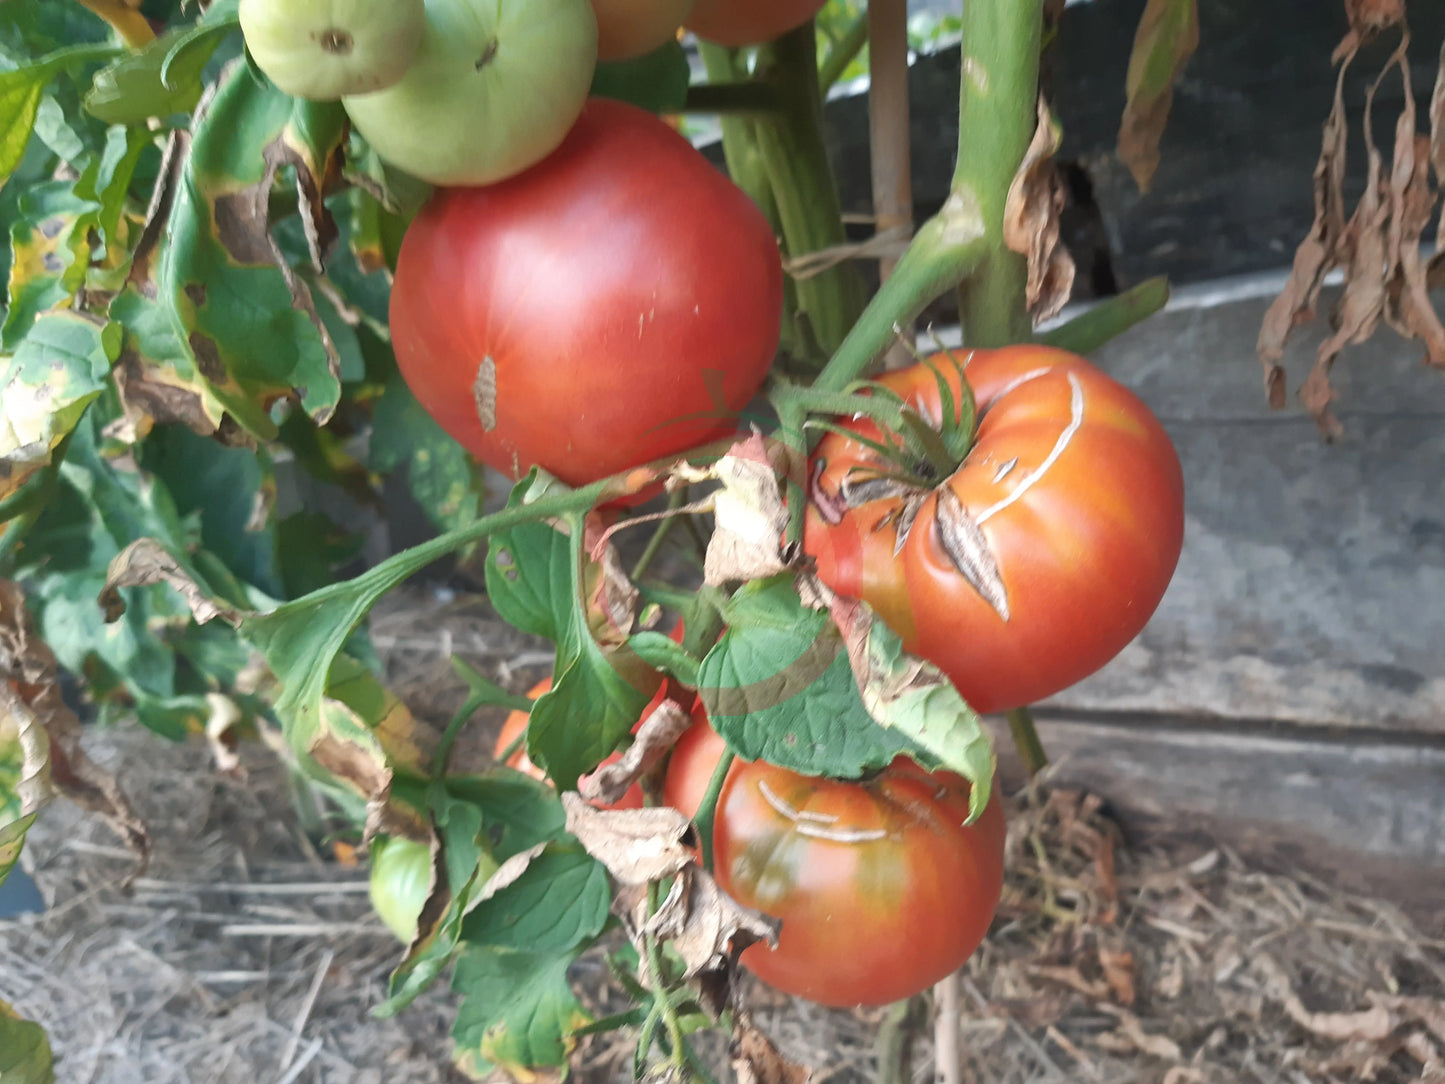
(1378, 246)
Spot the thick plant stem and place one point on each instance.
(997, 113)
(888, 139)
(1026, 740)
(894, 1044)
(806, 194)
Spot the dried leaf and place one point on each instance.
(706, 926)
(34, 700)
(224, 716)
(657, 734)
(1167, 36)
(145, 561)
(1437, 141)
(636, 845)
(755, 1060)
(612, 597)
(1118, 965)
(967, 547)
(1036, 198)
(751, 517)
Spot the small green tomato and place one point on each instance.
(324, 49)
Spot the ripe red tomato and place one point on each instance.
(516, 722)
(1069, 508)
(749, 22)
(618, 302)
(881, 888)
(691, 763)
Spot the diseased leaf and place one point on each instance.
(636, 845)
(1167, 36)
(241, 316)
(652, 742)
(1036, 198)
(518, 1012)
(60, 367)
(49, 255)
(30, 698)
(706, 926)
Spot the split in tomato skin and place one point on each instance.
(881, 887)
(1077, 494)
(618, 302)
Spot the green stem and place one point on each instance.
(707, 811)
(805, 192)
(843, 52)
(894, 1045)
(1026, 740)
(675, 500)
(1090, 330)
(997, 115)
(743, 97)
(454, 728)
(948, 246)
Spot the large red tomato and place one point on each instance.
(618, 302)
(691, 763)
(881, 888)
(749, 22)
(1041, 556)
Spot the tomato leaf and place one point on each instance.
(779, 687)
(25, 1056)
(20, 94)
(49, 255)
(656, 82)
(503, 812)
(518, 1012)
(559, 902)
(12, 840)
(445, 481)
(533, 575)
(241, 315)
(1167, 36)
(59, 368)
(157, 81)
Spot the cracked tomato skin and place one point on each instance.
(1078, 493)
(618, 302)
(881, 887)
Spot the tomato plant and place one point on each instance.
(401, 872)
(881, 887)
(748, 22)
(618, 302)
(1040, 556)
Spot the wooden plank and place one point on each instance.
(1366, 816)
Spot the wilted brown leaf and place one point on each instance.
(706, 926)
(30, 696)
(636, 845)
(1036, 197)
(657, 734)
(1167, 36)
(751, 517)
(756, 1060)
(144, 562)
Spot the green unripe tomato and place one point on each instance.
(401, 882)
(494, 87)
(324, 49)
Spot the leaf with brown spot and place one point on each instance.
(146, 561)
(750, 515)
(756, 1060)
(1167, 36)
(655, 737)
(636, 845)
(30, 698)
(706, 926)
(969, 550)
(253, 334)
(1036, 197)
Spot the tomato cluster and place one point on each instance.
(584, 293)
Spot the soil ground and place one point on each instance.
(245, 955)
